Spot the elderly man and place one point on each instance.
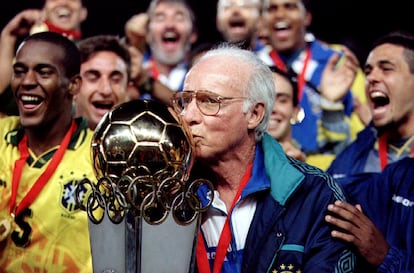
(268, 209)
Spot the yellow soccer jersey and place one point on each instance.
(51, 235)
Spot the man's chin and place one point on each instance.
(170, 58)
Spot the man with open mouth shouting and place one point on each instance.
(380, 226)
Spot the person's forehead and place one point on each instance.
(239, 2)
(54, 1)
(222, 71)
(46, 48)
(169, 7)
(282, 84)
(35, 53)
(389, 47)
(280, 2)
(105, 60)
(385, 52)
(227, 63)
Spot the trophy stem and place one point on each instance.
(134, 246)
(133, 243)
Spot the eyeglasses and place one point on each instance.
(207, 102)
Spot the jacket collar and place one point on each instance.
(284, 178)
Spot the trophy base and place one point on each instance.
(134, 246)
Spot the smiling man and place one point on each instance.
(291, 49)
(64, 17)
(61, 16)
(105, 70)
(45, 153)
(375, 170)
(237, 21)
(389, 71)
(171, 32)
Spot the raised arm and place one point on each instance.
(17, 28)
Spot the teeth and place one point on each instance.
(63, 12)
(379, 99)
(27, 98)
(280, 25)
(170, 35)
(377, 94)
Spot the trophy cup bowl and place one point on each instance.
(142, 208)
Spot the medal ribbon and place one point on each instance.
(43, 178)
(71, 34)
(301, 77)
(382, 150)
(155, 73)
(225, 237)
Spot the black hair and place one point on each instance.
(197, 50)
(291, 77)
(399, 38)
(308, 5)
(89, 46)
(71, 55)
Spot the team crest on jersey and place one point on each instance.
(286, 268)
(68, 200)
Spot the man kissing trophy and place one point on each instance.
(143, 211)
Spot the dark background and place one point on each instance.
(354, 23)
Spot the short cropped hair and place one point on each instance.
(89, 46)
(292, 78)
(71, 54)
(306, 3)
(399, 38)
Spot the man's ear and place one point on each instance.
(255, 115)
(74, 85)
(308, 19)
(193, 37)
(84, 14)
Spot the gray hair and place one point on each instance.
(185, 3)
(260, 87)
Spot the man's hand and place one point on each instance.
(19, 26)
(338, 75)
(293, 151)
(136, 30)
(354, 227)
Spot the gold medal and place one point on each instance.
(42, 27)
(301, 115)
(5, 229)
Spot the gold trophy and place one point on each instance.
(143, 210)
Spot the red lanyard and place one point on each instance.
(155, 73)
(225, 237)
(301, 77)
(43, 178)
(71, 34)
(382, 150)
